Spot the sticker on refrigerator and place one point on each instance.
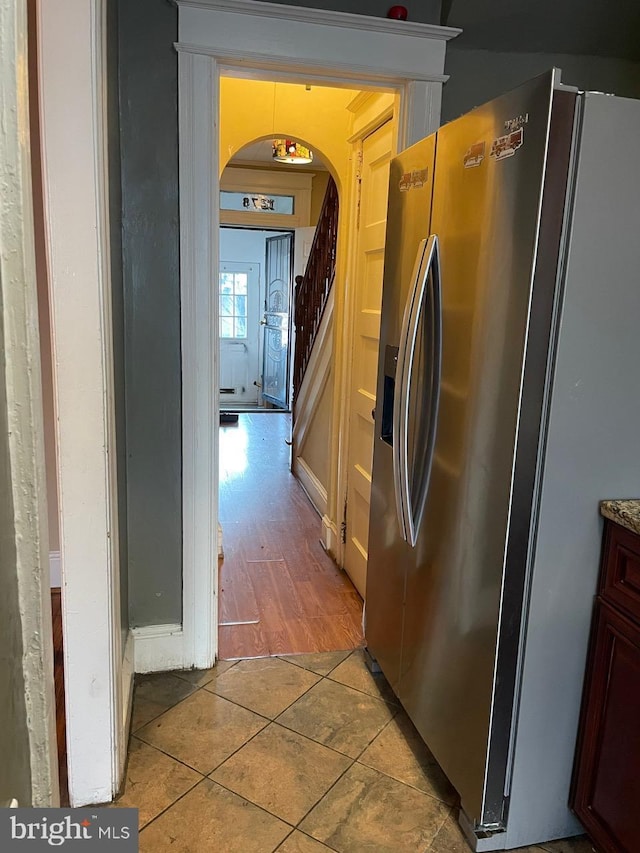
(516, 123)
(474, 155)
(507, 145)
(413, 180)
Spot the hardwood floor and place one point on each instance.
(280, 593)
(58, 672)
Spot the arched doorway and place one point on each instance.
(280, 592)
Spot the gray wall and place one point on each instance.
(117, 296)
(15, 772)
(424, 11)
(150, 270)
(477, 76)
(150, 252)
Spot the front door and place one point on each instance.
(239, 301)
(377, 150)
(275, 354)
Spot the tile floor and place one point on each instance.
(299, 754)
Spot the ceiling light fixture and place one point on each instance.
(288, 151)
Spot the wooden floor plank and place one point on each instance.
(275, 570)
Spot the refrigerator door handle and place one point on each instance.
(401, 398)
(425, 296)
(432, 302)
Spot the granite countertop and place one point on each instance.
(624, 512)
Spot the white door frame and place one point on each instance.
(262, 41)
(98, 670)
(378, 117)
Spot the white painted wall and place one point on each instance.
(477, 76)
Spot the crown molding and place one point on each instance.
(343, 71)
(346, 20)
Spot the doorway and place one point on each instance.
(254, 318)
(279, 592)
(210, 51)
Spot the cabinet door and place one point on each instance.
(620, 583)
(607, 787)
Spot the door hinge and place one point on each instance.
(343, 526)
(359, 162)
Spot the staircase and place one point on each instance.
(312, 289)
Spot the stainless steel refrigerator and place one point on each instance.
(508, 405)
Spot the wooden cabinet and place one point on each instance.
(606, 790)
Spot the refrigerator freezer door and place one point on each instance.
(486, 211)
(410, 186)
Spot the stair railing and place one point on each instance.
(312, 289)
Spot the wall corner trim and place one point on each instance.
(330, 535)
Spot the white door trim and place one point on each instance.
(72, 38)
(198, 83)
(343, 417)
(252, 38)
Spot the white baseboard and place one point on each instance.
(311, 484)
(55, 569)
(330, 535)
(158, 648)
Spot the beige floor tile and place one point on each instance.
(203, 730)
(400, 752)
(450, 838)
(266, 685)
(298, 842)
(210, 818)
(354, 672)
(367, 810)
(153, 781)
(200, 677)
(282, 771)
(321, 662)
(156, 693)
(338, 716)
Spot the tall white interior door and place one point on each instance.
(239, 307)
(377, 150)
